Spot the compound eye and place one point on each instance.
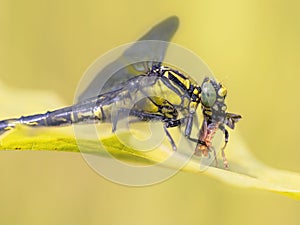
(222, 91)
(208, 95)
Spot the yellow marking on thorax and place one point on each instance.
(193, 107)
(187, 84)
(196, 91)
(184, 81)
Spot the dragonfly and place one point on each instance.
(134, 92)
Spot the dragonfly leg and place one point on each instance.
(188, 131)
(103, 114)
(177, 123)
(170, 139)
(148, 116)
(173, 123)
(226, 134)
(197, 141)
(114, 123)
(215, 155)
(189, 125)
(116, 118)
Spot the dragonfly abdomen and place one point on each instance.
(61, 117)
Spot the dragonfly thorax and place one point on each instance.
(179, 83)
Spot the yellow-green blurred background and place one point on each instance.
(252, 46)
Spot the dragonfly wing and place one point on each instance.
(139, 51)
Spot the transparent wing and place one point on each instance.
(163, 31)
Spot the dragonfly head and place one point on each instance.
(213, 99)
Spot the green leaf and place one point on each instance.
(245, 170)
